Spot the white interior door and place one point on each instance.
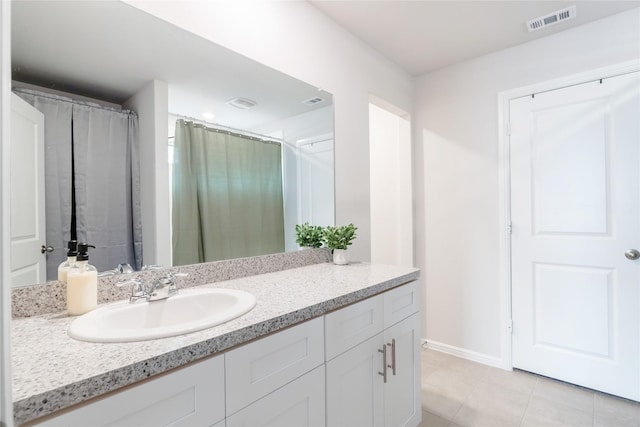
(315, 175)
(575, 190)
(28, 234)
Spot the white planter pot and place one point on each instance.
(340, 257)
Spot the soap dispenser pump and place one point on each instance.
(82, 284)
(64, 267)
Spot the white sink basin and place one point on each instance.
(189, 311)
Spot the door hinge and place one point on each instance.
(509, 227)
(510, 326)
(508, 128)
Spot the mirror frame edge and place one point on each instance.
(6, 404)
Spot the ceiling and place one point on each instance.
(425, 35)
(112, 62)
(109, 50)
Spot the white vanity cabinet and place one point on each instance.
(356, 366)
(373, 361)
(188, 396)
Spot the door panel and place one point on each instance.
(585, 331)
(28, 234)
(575, 190)
(563, 138)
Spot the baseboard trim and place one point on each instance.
(465, 354)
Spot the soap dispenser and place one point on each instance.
(82, 284)
(64, 267)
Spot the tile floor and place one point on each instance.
(458, 392)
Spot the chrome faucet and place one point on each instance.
(159, 289)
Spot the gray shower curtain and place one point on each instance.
(108, 185)
(106, 178)
(227, 196)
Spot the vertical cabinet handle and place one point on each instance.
(393, 356)
(384, 363)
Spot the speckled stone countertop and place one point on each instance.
(52, 371)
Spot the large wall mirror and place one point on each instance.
(112, 54)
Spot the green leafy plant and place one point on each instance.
(340, 237)
(309, 236)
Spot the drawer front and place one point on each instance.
(300, 403)
(186, 397)
(258, 368)
(401, 302)
(348, 327)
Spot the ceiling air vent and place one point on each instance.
(313, 101)
(551, 19)
(242, 103)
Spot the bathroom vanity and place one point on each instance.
(324, 345)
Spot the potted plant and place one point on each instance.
(309, 236)
(338, 239)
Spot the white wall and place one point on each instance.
(457, 175)
(297, 39)
(391, 204)
(152, 105)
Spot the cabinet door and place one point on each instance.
(355, 387)
(186, 397)
(402, 405)
(298, 404)
(260, 367)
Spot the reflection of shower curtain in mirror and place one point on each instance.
(227, 196)
(106, 179)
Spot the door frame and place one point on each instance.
(504, 171)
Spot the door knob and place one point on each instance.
(632, 254)
(44, 249)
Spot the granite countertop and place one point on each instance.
(52, 371)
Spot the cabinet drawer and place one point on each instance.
(258, 368)
(186, 397)
(348, 327)
(300, 403)
(401, 302)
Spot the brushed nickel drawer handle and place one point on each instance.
(384, 363)
(393, 356)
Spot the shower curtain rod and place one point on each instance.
(304, 144)
(232, 131)
(70, 100)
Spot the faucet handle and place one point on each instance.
(170, 280)
(138, 290)
(165, 287)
